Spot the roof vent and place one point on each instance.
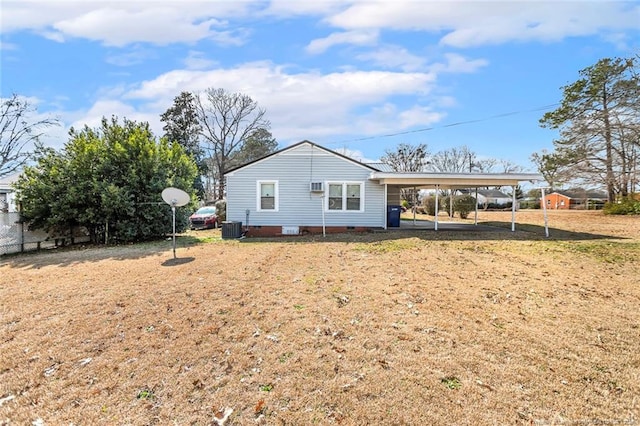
(316, 187)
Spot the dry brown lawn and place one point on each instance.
(389, 328)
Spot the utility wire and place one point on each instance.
(458, 123)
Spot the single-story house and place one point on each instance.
(7, 194)
(306, 188)
(576, 199)
(488, 198)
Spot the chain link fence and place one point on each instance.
(16, 238)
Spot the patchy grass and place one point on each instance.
(606, 251)
(382, 328)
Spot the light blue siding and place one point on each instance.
(294, 169)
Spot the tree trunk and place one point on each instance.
(610, 179)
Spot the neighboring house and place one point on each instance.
(302, 188)
(578, 199)
(306, 188)
(488, 198)
(7, 194)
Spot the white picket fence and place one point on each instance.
(16, 238)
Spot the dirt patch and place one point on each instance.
(401, 327)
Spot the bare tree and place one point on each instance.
(18, 132)
(552, 167)
(453, 160)
(407, 158)
(227, 120)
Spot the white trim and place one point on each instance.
(452, 180)
(276, 195)
(344, 196)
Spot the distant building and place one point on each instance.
(489, 198)
(575, 199)
(7, 194)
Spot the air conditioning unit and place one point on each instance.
(316, 187)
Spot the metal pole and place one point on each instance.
(451, 203)
(513, 208)
(173, 211)
(436, 224)
(544, 210)
(415, 207)
(475, 222)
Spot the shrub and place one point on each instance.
(429, 204)
(627, 205)
(464, 204)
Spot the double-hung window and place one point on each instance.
(267, 196)
(345, 196)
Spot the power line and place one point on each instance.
(458, 123)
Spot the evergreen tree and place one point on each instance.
(599, 124)
(108, 180)
(181, 126)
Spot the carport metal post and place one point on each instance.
(513, 209)
(436, 222)
(475, 221)
(415, 201)
(544, 212)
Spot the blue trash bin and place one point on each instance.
(393, 216)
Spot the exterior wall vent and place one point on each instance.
(316, 187)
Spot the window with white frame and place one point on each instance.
(345, 196)
(267, 196)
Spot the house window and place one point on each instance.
(353, 197)
(345, 196)
(267, 196)
(335, 196)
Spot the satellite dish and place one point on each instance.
(175, 197)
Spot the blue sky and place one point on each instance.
(342, 73)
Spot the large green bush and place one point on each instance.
(108, 180)
(628, 205)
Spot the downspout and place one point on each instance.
(324, 230)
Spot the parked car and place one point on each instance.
(204, 218)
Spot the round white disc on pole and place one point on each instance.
(175, 197)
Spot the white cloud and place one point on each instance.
(128, 57)
(198, 61)
(118, 23)
(288, 8)
(390, 57)
(359, 37)
(119, 27)
(7, 46)
(459, 23)
(355, 154)
(300, 106)
(474, 23)
(112, 107)
(459, 64)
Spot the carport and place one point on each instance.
(453, 181)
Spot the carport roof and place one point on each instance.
(453, 180)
